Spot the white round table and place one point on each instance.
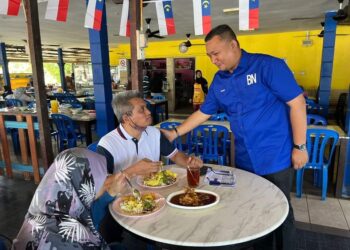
(251, 209)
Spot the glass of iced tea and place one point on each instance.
(193, 175)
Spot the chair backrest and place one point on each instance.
(158, 97)
(212, 139)
(65, 126)
(320, 146)
(171, 125)
(88, 103)
(14, 103)
(93, 146)
(219, 117)
(313, 119)
(31, 104)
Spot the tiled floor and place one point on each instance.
(334, 214)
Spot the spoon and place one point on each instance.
(135, 192)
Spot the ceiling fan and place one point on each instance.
(183, 47)
(150, 33)
(342, 16)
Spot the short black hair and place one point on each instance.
(224, 31)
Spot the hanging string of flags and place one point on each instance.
(165, 18)
(57, 10)
(248, 14)
(93, 17)
(202, 17)
(125, 20)
(9, 7)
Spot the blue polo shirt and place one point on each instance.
(254, 96)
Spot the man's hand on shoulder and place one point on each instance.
(169, 134)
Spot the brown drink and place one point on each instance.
(193, 177)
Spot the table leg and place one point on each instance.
(154, 114)
(23, 147)
(88, 134)
(5, 147)
(166, 111)
(343, 144)
(32, 146)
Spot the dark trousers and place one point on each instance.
(284, 236)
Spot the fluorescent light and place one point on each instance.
(228, 10)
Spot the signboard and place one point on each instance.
(123, 65)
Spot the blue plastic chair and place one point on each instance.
(312, 106)
(158, 97)
(210, 142)
(313, 119)
(93, 146)
(67, 131)
(320, 147)
(178, 143)
(88, 103)
(13, 103)
(219, 117)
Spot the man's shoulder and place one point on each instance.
(264, 58)
(152, 131)
(107, 138)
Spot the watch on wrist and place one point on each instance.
(301, 147)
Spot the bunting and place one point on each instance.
(93, 17)
(202, 17)
(248, 14)
(57, 10)
(165, 18)
(9, 7)
(125, 20)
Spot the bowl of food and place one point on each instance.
(191, 198)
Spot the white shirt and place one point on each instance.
(124, 150)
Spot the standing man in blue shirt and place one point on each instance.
(267, 115)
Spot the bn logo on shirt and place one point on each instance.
(251, 79)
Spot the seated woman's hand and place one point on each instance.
(115, 184)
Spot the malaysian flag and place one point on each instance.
(202, 17)
(165, 18)
(93, 17)
(248, 14)
(125, 20)
(10, 7)
(57, 10)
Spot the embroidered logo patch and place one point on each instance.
(251, 79)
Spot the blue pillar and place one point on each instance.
(327, 61)
(61, 67)
(99, 50)
(4, 64)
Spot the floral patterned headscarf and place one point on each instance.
(59, 215)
